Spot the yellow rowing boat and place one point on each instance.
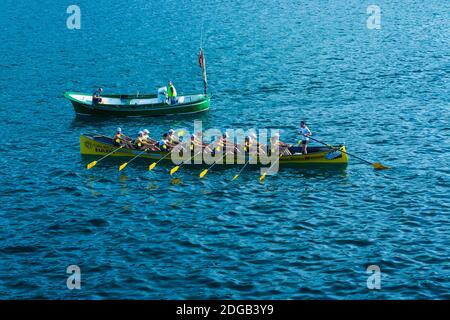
(99, 145)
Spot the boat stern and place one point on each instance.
(90, 146)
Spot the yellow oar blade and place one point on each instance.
(123, 166)
(152, 166)
(203, 173)
(91, 165)
(379, 166)
(174, 169)
(235, 177)
(181, 133)
(262, 177)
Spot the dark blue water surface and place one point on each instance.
(304, 233)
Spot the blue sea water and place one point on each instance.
(304, 234)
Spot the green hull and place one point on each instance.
(127, 108)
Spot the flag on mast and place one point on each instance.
(202, 63)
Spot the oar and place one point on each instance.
(123, 165)
(262, 178)
(93, 163)
(376, 165)
(153, 165)
(204, 172)
(175, 169)
(242, 169)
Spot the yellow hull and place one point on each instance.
(92, 147)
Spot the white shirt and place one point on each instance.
(304, 131)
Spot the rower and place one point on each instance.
(164, 144)
(194, 143)
(171, 93)
(147, 137)
(96, 96)
(145, 133)
(247, 144)
(121, 140)
(275, 142)
(153, 144)
(171, 138)
(220, 143)
(223, 141)
(254, 141)
(140, 143)
(199, 139)
(304, 133)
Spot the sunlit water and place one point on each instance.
(303, 234)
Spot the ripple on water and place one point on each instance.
(304, 233)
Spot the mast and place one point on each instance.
(202, 62)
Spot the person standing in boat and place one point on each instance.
(171, 93)
(121, 140)
(96, 96)
(304, 133)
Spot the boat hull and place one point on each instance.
(135, 106)
(101, 145)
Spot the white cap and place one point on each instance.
(146, 131)
(171, 131)
(192, 135)
(276, 135)
(252, 135)
(141, 132)
(119, 129)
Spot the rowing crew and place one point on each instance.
(144, 142)
(169, 141)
